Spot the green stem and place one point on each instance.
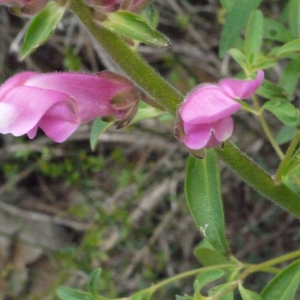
(170, 280)
(269, 263)
(287, 157)
(155, 86)
(266, 127)
(129, 61)
(259, 179)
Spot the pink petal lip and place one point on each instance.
(29, 108)
(207, 104)
(241, 89)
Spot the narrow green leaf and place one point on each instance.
(93, 284)
(41, 27)
(202, 187)
(254, 34)
(272, 91)
(291, 172)
(274, 30)
(133, 26)
(207, 255)
(183, 297)
(218, 289)
(294, 17)
(239, 57)
(248, 295)
(263, 63)
(290, 47)
(147, 113)
(235, 22)
(283, 110)
(284, 285)
(227, 4)
(141, 296)
(206, 277)
(290, 76)
(98, 128)
(66, 293)
(286, 134)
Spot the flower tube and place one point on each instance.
(59, 102)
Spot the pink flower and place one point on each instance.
(59, 102)
(206, 112)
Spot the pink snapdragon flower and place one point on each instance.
(206, 112)
(59, 102)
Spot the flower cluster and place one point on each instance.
(205, 115)
(59, 102)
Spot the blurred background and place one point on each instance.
(66, 210)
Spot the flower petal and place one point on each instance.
(59, 122)
(91, 92)
(15, 81)
(30, 104)
(207, 103)
(241, 89)
(223, 129)
(196, 135)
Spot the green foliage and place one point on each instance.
(254, 35)
(202, 187)
(291, 172)
(208, 256)
(41, 27)
(235, 22)
(247, 294)
(284, 285)
(135, 27)
(283, 110)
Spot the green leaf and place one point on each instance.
(147, 113)
(183, 297)
(141, 296)
(218, 289)
(135, 27)
(272, 91)
(284, 285)
(239, 57)
(227, 4)
(254, 34)
(235, 22)
(41, 27)
(66, 293)
(202, 188)
(286, 134)
(283, 110)
(150, 15)
(290, 76)
(274, 30)
(208, 256)
(98, 128)
(248, 295)
(93, 284)
(290, 47)
(291, 173)
(206, 277)
(263, 63)
(294, 17)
